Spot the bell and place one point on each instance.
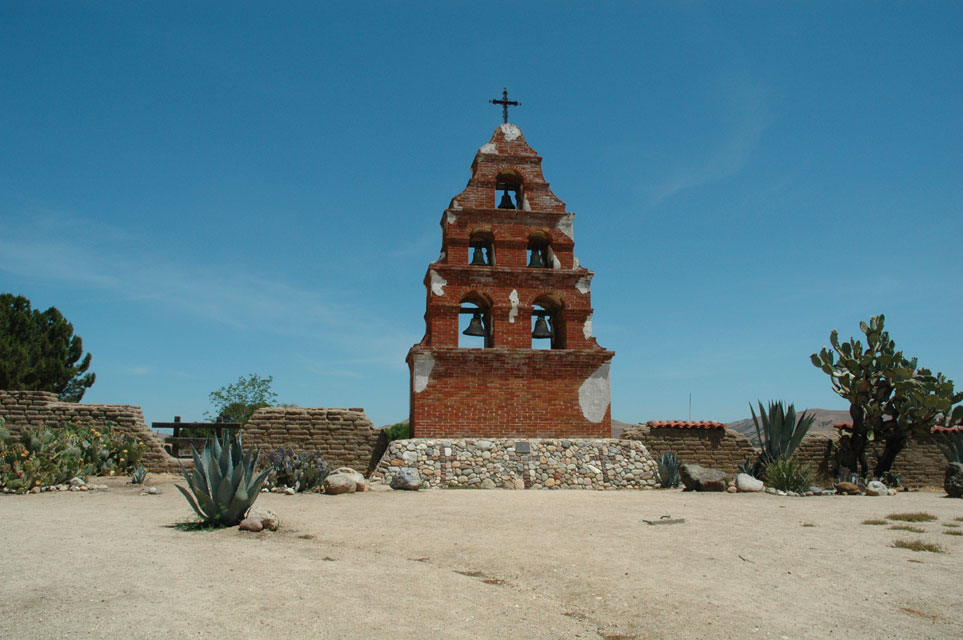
(536, 259)
(475, 327)
(478, 259)
(541, 329)
(506, 202)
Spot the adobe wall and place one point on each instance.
(508, 463)
(716, 448)
(920, 464)
(345, 437)
(498, 393)
(22, 409)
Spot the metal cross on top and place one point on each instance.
(505, 102)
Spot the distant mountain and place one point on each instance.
(823, 425)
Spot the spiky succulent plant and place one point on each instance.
(138, 475)
(668, 469)
(223, 485)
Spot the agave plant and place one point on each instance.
(950, 442)
(138, 475)
(223, 485)
(669, 470)
(779, 432)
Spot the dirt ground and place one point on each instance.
(479, 564)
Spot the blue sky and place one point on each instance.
(212, 189)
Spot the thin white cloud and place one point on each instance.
(747, 107)
(96, 258)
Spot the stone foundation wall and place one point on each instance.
(523, 464)
(23, 409)
(720, 449)
(345, 437)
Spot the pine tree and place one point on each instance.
(39, 351)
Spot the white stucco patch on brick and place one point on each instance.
(513, 299)
(451, 218)
(511, 131)
(567, 225)
(594, 395)
(424, 363)
(489, 148)
(584, 284)
(437, 283)
(587, 327)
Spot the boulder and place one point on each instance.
(953, 479)
(745, 483)
(406, 479)
(360, 483)
(268, 519)
(698, 478)
(251, 524)
(337, 483)
(488, 483)
(876, 488)
(848, 488)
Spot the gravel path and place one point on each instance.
(479, 564)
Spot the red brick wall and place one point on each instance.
(499, 393)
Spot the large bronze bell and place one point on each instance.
(536, 259)
(541, 329)
(475, 327)
(478, 258)
(506, 202)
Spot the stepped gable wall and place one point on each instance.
(345, 437)
(25, 409)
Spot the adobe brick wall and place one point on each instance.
(720, 449)
(22, 409)
(601, 464)
(498, 393)
(921, 464)
(345, 437)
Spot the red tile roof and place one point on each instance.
(956, 429)
(686, 424)
(843, 425)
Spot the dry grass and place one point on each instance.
(918, 545)
(951, 525)
(906, 527)
(959, 518)
(953, 533)
(915, 516)
(875, 521)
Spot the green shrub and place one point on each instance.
(788, 474)
(300, 471)
(45, 456)
(669, 470)
(400, 431)
(223, 485)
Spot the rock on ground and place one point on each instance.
(698, 478)
(268, 519)
(953, 480)
(337, 483)
(745, 483)
(876, 488)
(848, 488)
(406, 479)
(251, 524)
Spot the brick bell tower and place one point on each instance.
(508, 348)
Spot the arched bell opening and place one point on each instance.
(548, 323)
(540, 254)
(475, 322)
(509, 191)
(482, 249)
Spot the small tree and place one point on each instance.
(890, 397)
(237, 402)
(39, 351)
